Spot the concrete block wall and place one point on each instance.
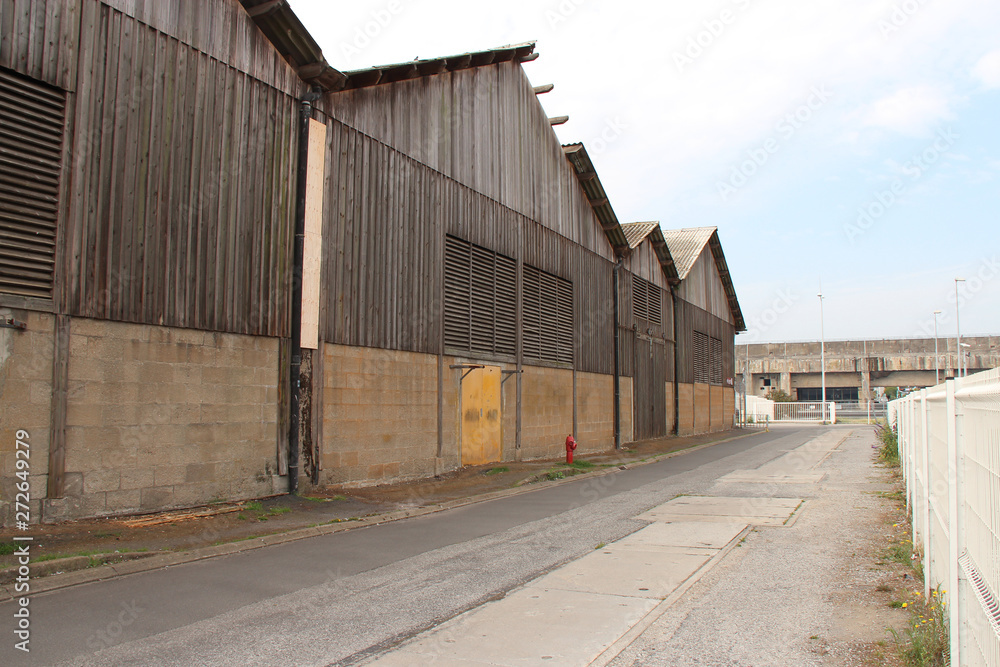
(670, 407)
(702, 408)
(25, 404)
(685, 417)
(380, 415)
(595, 412)
(160, 417)
(546, 411)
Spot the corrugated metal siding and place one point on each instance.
(182, 209)
(38, 39)
(32, 124)
(484, 128)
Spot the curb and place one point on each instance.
(156, 562)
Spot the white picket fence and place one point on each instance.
(949, 442)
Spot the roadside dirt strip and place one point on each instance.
(588, 611)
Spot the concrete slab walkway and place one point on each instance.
(589, 610)
(579, 613)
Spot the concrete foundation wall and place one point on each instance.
(702, 408)
(670, 407)
(685, 421)
(547, 411)
(380, 415)
(25, 404)
(595, 412)
(160, 417)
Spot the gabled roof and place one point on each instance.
(418, 68)
(637, 232)
(591, 184)
(687, 244)
(285, 31)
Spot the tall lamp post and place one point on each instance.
(822, 358)
(958, 330)
(937, 379)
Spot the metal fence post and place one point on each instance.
(953, 529)
(925, 510)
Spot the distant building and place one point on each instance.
(855, 368)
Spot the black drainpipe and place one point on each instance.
(677, 400)
(618, 387)
(305, 114)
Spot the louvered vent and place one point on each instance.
(715, 360)
(646, 302)
(548, 317)
(701, 358)
(31, 132)
(480, 288)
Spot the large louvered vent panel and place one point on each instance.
(31, 134)
(646, 301)
(480, 300)
(548, 317)
(701, 358)
(715, 360)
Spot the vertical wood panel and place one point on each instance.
(180, 212)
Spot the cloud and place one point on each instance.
(912, 111)
(987, 70)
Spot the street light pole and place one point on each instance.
(958, 329)
(822, 357)
(937, 379)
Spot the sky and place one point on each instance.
(848, 146)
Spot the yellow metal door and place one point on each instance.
(481, 432)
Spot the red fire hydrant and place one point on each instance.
(570, 446)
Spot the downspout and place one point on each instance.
(677, 400)
(618, 387)
(305, 115)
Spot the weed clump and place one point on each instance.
(888, 444)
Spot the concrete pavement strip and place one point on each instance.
(589, 610)
(77, 577)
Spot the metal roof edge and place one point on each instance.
(587, 176)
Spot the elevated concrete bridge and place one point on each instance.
(855, 367)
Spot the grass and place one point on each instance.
(553, 475)
(275, 511)
(7, 548)
(497, 471)
(580, 465)
(888, 449)
(255, 506)
(925, 642)
(600, 546)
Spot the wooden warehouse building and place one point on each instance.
(227, 267)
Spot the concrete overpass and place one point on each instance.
(855, 367)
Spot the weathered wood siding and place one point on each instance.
(182, 198)
(484, 128)
(386, 219)
(702, 287)
(38, 38)
(691, 318)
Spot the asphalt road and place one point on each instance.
(340, 598)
